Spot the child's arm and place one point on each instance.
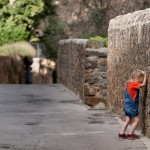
(144, 80)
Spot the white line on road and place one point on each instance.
(80, 133)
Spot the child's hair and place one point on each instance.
(137, 75)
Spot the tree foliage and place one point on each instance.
(52, 35)
(19, 19)
(102, 39)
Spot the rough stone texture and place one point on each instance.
(71, 64)
(102, 52)
(42, 70)
(85, 18)
(95, 85)
(82, 67)
(129, 49)
(11, 69)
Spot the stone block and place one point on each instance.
(102, 68)
(91, 62)
(103, 83)
(91, 101)
(103, 93)
(94, 44)
(89, 90)
(97, 95)
(103, 61)
(86, 71)
(103, 75)
(101, 52)
(91, 78)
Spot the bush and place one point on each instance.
(11, 32)
(19, 48)
(19, 19)
(99, 38)
(52, 35)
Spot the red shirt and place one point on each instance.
(132, 89)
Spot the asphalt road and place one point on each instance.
(50, 117)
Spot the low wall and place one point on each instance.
(11, 70)
(42, 71)
(129, 49)
(70, 64)
(82, 68)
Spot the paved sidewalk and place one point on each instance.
(50, 117)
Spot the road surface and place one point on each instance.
(50, 117)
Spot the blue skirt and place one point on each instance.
(131, 106)
(131, 113)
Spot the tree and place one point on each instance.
(19, 19)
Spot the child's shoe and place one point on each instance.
(122, 136)
(133, 136)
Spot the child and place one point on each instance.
(131, 103)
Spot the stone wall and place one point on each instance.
(82, 68)
(129, 49)
(95, 80)
(71, 64)
(42, 71)
(11, 70)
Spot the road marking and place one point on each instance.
(80, 133)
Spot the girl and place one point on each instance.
(131, 103)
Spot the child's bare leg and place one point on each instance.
(135, 124)
(125, 125)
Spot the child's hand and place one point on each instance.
(145, 78)
(144, 73)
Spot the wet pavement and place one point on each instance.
(50, 117)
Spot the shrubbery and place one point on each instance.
(18, 20)
(18, 48)
(54, 32)
(99, 38)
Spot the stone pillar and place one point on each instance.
(70, 64)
